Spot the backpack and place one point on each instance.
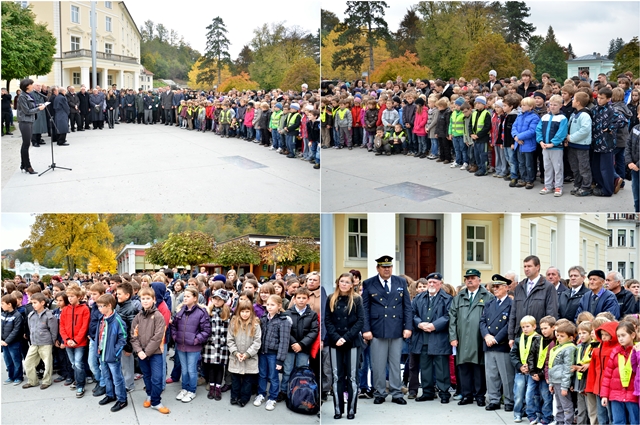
(303, 394)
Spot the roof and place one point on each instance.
(591, 58)
(132, 246)
(146, 71)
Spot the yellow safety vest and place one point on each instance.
(289, 118)
(542, 355)
(583, 358)
(625, 369)
(555, 350)
(342, 113)
(525, 347)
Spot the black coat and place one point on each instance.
(61, 110)
(543, 301)
(568, 305)
(304, 329)
(340, 323)
(438, 315)
(627, 302)
(529, 90)
(73, 100)
(83, 103)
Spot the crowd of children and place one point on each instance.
(112, 330)
(575, 131)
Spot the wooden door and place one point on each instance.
(419, 247)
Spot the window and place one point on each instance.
(76, 78)
(533, 238)
(609, 266)
(622, 268)
(632, 235)
(107, 4)
(622, 237)
(75, 43)
(75, 14)
(108, 48)
(148, 79)
(631, 271)
(358, 238)
(554, 246)
(583, 68)
(23, 4)
(107, 24)
(477, 244)
(109, 80)
(597, 256)
(610, 240)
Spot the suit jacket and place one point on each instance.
(495, 321)
(73, 101)
(386, 315)
(568, 305)
(543, 301)
(436, 314)
(606, 302)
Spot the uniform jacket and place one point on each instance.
(139, 102)
(147, 332)
(464, 323)
(74, 324)
(611, 385)
(243, 343)
(190, 328)
(606, 302)
(437, 314)
(215, 350)
(561, 373)
(275, 336)
(304, 328)
(495, 321)
(543, 301)
(386, 315)
(12, 326)
(524, 128)
(110, 343)
(568, 305)
(340, 323)
(43, 327)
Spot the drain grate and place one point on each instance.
(413, 191)
(242, 162)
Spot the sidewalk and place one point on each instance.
(142, 168)
(358, 181)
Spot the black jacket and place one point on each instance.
(83, 103)
(12, 326)
(627, 302)
(529, 90)
(304, 328)
(73, 100)
(96, 316)
(568, 305)
(127, 310)
(532, 358)
(340, 323)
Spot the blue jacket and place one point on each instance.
(580, 130)
(96, 316)
(606, 302)
(438, 315)
(386, 315)
(552, 129)
(113, 339)
(524, 128)
(495, 321)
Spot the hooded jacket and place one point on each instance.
(191, 328)
(111, 341)
(127, 311)
(94, 320)
(611, 384)
(74, 324)
(524, 128)
(599, 357)
(148, 332)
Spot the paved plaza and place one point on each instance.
(358, 181)
(142, 168)
(58, 405)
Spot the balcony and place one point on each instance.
(86, 53)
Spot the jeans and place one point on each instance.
(300, 359)
(623, 410)
(434, 146)
(312, 150)
(291, 144)
(250, 133)
(75, 357)
(275, 137)
(422, 144)
(176, 372)
(471, 155)
(519, 391)
(114, 381)
(604, 413)
(527, 166)
(501, 161)
(151, 368)
(189, 363)
(164, 365)
(538, 394)
(258, 134)
(619, 164)
(635, 188)
(128, 365)
(267, 368)
(94, 363)
(241, 386)
(460, 149)
(317, 155)
(480, 151)
(13, 360)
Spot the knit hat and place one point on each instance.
(540, 94)
(222, 294)
(295, 106)
(420, 101)
(279, 105)
(357, 100)
(308, 107)
(493, 72)
(481, 99)
(220, 277)
(498, 104)
(459, 101)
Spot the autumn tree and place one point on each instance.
(194, 83)
(239, 82)
(551, 57)
(244, 59)
(628, 58)
(492, 52)
(74, 239)
(304, 70)
(103, 263)
(188, 248)
(362, 18)
(328, 22)
(354, 68)
(217, 52)
(27, 47)
(406, 66)
(236, 252)
(293, 251)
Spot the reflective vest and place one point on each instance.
(583, 358)
(457, 123)
(625, 369)
(292, 118)
(225, 116)
(555, 350)
(275, 119)
(542, 355)
(323, 114)
(524, 348)
(342, 112)
(478, 121)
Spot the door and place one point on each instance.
(419, 247)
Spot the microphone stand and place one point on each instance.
(53, 165)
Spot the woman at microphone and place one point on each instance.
(27, 110)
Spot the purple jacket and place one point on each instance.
(190, 329)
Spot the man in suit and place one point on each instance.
(494, 328)
(568, 301)
(464, 334)
(430, 338)
(166, 102)
(74, 109)
(599, 299)
(553, 277)
(387, 320)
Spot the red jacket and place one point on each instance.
(599, 357)
(355, 114)
(74, 324)
(611, 385)
(420, 121)
(383, 108)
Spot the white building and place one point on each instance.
(28, 269)
(595, 64)
(131, 259)
(622, 250)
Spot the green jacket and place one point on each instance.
(464, 325)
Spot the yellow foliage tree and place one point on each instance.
(406, 66)
(193, 75)
(304, 70)
(240, 82)
(492, 52)
(380, 54)
(105, 261)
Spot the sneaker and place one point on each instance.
(90, 380)
(17, 382)
(80, 393)
(272, 148)
(8, 381)
(533, 422)
(147, 403)
(162, 409)
(137, 376)
(169, 381)
(73, 385)
(271, 404)
(574, 190)
(583, 192)
(258, 401)
(279, 150)
(454, 164)
(558, 192)
(181, 394)
(545, 191)
(457, 397)
(188, 397)
(517, 420)
(282, 396)
(464, 166)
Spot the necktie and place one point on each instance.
(386, 286)
(471, 298)
(499, 303)
(530, 287)
(573, 293)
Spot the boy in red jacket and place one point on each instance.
(606, 334)
(74, 324)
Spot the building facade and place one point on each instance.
(452, 243)
(117, 43)
(595, 64)
(28, 269)
(131, 259)
(622, 244)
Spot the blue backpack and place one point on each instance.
(303, 394)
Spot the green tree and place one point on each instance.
(293, 251)
(217, 51)
(236, 252)
(513, 14)
(628, 58)
(614, 47)
(304, 70)
(492, 52)
(362, 18)
(328, 21)
(244, 59)
(533, 47)
(551, 57)
(187, 248)
(8, 274)
(155, 255)
(27, 47)
(74, 238)
(408, 34)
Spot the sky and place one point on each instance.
(15, 229)
(191, 22)
(587, 25)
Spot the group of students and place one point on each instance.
(105, 329)
(571, 132)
